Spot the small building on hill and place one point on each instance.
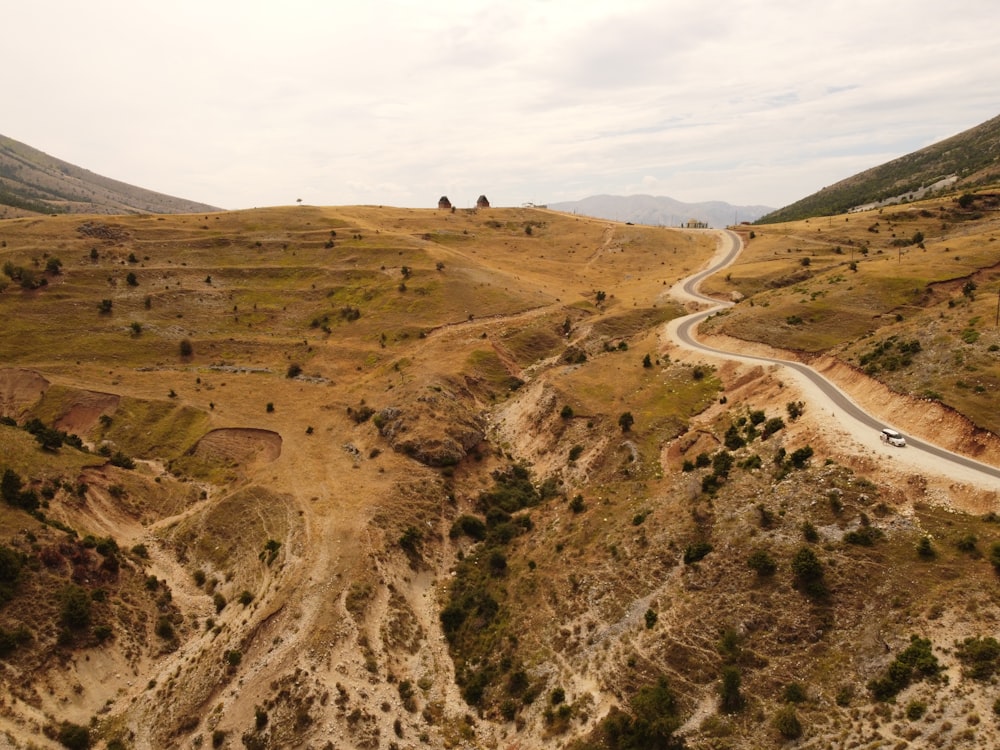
(444, 204)
(481, 202)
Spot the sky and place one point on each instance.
(391, 102)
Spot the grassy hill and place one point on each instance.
(964, 162)
(381, 477)
(32, 183)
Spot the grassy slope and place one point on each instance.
(906, 293)
(488, 331)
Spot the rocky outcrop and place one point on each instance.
(437, 429)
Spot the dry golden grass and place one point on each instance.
(442, 324)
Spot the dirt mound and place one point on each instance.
(19, 391)
(85, 410)
(239, 445)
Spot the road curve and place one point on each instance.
(683, 331)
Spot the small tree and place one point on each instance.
(131, 279)
(762, 562)
(730, 697)
(625, 421)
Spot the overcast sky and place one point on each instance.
(250, 103)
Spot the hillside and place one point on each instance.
(660, 210)
(383, 478)
(964, 162)
(33, 183)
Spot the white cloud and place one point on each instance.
(251, 103)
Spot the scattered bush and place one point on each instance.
(74, 736)
(762, 562)
(696, 551)
(786, 721)
(979, 657)
(914, 663)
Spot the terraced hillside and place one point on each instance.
(386, 478)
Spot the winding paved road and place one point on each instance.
(683, 330)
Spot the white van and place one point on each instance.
(892, 438)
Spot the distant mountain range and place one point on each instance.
(32, 182)
(661, 210)
(965, 161)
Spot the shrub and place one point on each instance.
(808, 572)
(567, 412)
(733, 440)
(979, 656)
(651, 723)
(577, 505)
(294, 370)
(696, 551)
(625, 421)
(186, 348)
(786, 721)
(761, 561)
(926, 550)
(74, 610)
(165, 628)
(794, 692)
(575, 452)
(730, 698)
(915, 709)
(411, 539)
(866, 536)
(245, 598)
(131, 279)
(800, 456)
(74, 736)
(471, 526)
(771, 426)
(104, 306)
(122, 461)
(914, 663)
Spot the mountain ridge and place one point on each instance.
(660, 210)
(33, 182)
(968, 160)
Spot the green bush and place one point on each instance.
(471, 526)
(730, 698)
(914, 663)
(696, 551)
(762, 562)
(979, 657)
(808, 572)
(786, 721)
(74, 612)
(74, 736)
(794, 692)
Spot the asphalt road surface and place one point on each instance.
(845, 408)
